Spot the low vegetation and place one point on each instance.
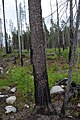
(22, 77)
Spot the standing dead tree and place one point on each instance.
(58, 27)
(73, 44)
(77, 24)
(71, 59)
(19, 39)
(42, 94)
(6, 43)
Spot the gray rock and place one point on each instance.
(11, 100)
(10, 109)
(13, 90)
(56, 89)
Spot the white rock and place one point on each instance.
(78, 104)
(10, 109)
(2, 96)
(0, 92)
(13, 90)
(56, 89)
(27, 106)
(11, 100)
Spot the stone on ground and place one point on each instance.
(11, 100)
(13, 90)
(56, 89)
(10, 109)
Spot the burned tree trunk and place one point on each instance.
(71, 59)
(42, 94)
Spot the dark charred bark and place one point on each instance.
(42, 94)
(31, 51)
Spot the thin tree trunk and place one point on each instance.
(59, 51)
(71, 59)
(42, 94)
(22, 38)
(28, 46)
(63, 38)
(6, 44)
(19, 39)
(45, 34)
(1, 35)
(77, 24)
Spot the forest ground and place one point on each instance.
(22, 79)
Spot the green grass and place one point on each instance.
(22, 78)
(55, 73)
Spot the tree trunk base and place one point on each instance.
(44, 110)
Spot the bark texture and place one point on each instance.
(42, 93)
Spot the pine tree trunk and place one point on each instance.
(42, 94)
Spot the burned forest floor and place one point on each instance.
(19, 82)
